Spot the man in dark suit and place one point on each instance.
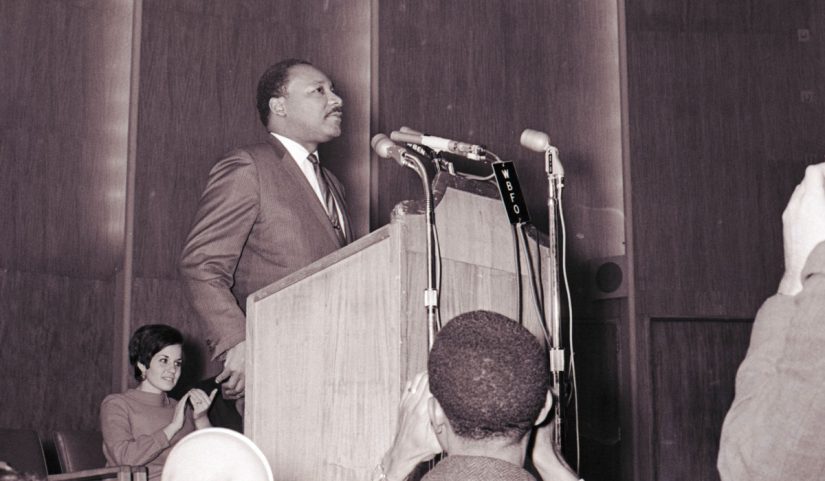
(268, 210)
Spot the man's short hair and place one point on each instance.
(273, 84)
(489, 374)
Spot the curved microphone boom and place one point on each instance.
(386, 148)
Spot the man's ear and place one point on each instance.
(276, 106)
(548, 405)
(438, 418)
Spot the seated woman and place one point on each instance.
(140, 425)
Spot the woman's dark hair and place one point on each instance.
(148, 340)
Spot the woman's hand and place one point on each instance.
(200, 406)
(200, 402)
(177, 420)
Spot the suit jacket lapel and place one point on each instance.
(308, 195)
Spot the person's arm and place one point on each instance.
(226, 213)
(549, 462)
(120, 444)
(780, 386)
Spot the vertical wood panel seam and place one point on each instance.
(630, 422)
(372, 209)
(123, 326)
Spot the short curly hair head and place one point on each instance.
(273, 83)
(149, 340)
(489, 374)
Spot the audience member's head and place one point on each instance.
(216, 454)
(149, 340)
(489, 375)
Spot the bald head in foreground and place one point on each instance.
(216, 454)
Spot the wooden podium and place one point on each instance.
(330, 347)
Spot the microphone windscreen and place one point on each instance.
(381, 144)
(535, 140)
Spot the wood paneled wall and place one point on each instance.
(64, 100)
(65, 96)
(719, 137)
(57, 350)
(725, 110)
(693, 363)
(482, 72)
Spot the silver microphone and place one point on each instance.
(439, 144)
(535, 140)
(387, 149)
(540, 142)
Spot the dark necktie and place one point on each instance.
(329, 199)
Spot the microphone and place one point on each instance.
(419, 149)
(535, 140)
(438, 144)
(386, 149)
(540, 142)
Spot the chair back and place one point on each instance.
(79, 450)
(21, 449)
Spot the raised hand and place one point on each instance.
(803, 226)
(178, 418)
(415, 440)
(200, 402)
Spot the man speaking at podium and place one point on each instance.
(268, 210)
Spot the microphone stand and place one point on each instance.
(431, 293)
(555, 183)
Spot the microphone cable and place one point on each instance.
(574, 392)
(536, 283)
(519, 284)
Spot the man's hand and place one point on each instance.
(803, 226)
(415, 441)
(233, 376)
(547, 459)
